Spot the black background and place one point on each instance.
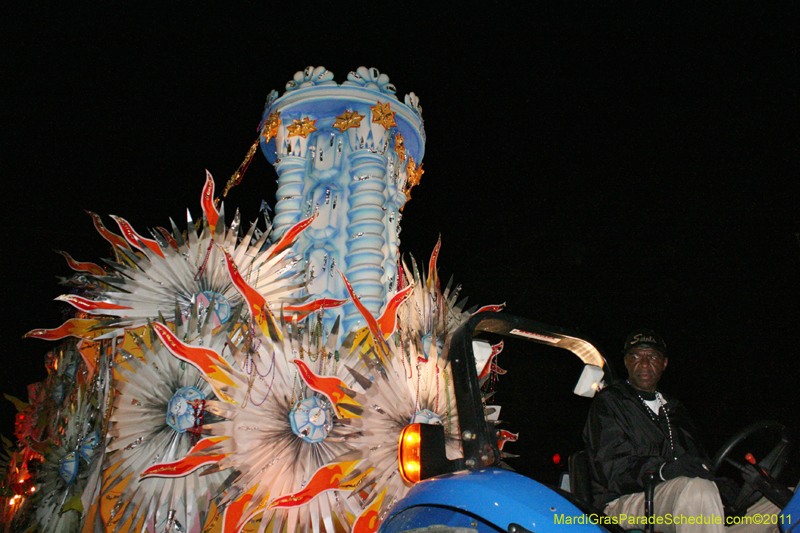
(600, 170)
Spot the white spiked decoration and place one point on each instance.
(65, 469)
(410, 384)
(153, 275)
(158, 412)
(398, 393)
(282, 433)
(429, 314)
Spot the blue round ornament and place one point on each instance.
(68, 468)
(311, 419)
(180, 412)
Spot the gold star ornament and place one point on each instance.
(414, 175)
(271, 126)
(347, 120)
(302, 128)
(400, 147)
(382, 114)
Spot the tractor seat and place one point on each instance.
(580, 477)
(580, 485)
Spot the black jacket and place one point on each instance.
(623, 442)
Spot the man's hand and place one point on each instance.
(685, 465)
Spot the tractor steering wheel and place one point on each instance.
(772, 463)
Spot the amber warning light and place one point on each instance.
(410, 453)
(421, 453)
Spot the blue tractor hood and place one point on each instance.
(487, 499)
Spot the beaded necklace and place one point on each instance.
(655, 420)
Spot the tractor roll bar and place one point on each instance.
(478, 440)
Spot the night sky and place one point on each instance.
(600, 170)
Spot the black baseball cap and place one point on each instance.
(646, 338)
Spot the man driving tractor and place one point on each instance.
(634, 429)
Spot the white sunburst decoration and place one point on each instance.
(157, 416)
(405, 379)
(154, 276)
(65, 469)
(282, 430)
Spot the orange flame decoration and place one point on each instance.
(136, 240)
(91, 268)
(307, 308)
(74, 327)
(232, 519)
(214, 368)
(258, 305)
(506, 436)
(207, 202)
(491, 362)
(327, 477)
(89, 306)
(368, 521)
(115, 240)
(433, 275)
(372, 324)
(168, 237)
(332, 387)
(401, 279)
(492, 308)
(188, 464)
(251, 516)
(388, 320)
(290, 236)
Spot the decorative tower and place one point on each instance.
(349, 155)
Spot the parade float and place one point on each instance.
(220, 376)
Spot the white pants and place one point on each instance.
(683, 500)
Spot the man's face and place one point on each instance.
(645, 366)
